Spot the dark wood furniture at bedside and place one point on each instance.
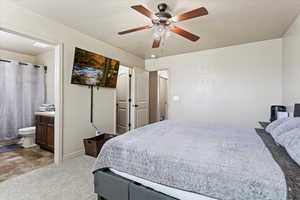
(45, 132)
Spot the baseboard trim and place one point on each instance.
(73, 154)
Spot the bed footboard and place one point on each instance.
(110, 186)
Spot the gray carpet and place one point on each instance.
(72, 180)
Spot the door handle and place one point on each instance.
(135, 105)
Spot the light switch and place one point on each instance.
(176, 98)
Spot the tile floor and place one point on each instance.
(21, 161)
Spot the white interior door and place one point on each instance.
(123, 97)
(140, 104)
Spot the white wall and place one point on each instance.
(4, 54)
(76, 124)
(233, 85)
(291, 65)
(48, 59)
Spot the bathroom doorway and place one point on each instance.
(31, 107)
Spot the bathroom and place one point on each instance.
(26, 104)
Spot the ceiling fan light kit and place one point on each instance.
(160, 31)
(163, 23)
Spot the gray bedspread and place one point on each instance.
(221, 162)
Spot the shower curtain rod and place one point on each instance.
(37, 66)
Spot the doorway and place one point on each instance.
(132, 110)
(158, 95)
(51, 55)
(163, 95)
(28, 104)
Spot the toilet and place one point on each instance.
(28, 136)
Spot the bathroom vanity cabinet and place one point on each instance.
(45, 132)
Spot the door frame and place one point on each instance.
(132, 108)
(58, 92)
(58, 98)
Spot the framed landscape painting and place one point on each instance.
(94, 70)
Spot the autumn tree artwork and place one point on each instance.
(94, 70)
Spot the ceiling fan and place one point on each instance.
(163, 22)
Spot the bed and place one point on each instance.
(174, 160)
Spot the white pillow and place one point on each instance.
(285, 127)
(281, 115)
(275, 124)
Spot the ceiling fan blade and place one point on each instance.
(184, 33)
(135, 29)
(156, 43)
(144, 11)
(192, 14)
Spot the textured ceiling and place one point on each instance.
(229, 22)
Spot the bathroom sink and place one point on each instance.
(49, 114)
